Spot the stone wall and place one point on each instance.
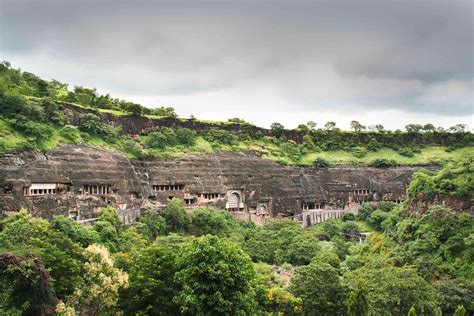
(261, 189)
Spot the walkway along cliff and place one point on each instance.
(76, 180)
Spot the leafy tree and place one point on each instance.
(365, 210)
(176, 217)
(454, 293)
(327, 298)
(300, 251)
(379, 128)
(329, 126)
(429, 128)
(102, 282)
(152, 286)
(208, 221)
(458, 128)
(376, 218)
(25, 287)
(393, 289)
(85, 236)
(28, 236)
(151, 227)
(357, 303)
(215, 277)
(357, 127)
(311, 125)
(413, 128)
(133, 108)
(277, 129)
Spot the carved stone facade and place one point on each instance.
(79, 180)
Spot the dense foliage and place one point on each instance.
(171, 263)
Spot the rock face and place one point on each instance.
(77, 180)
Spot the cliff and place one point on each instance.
(77, 180)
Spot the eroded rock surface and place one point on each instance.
(77, 180)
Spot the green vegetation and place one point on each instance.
(206, 263)
(36, 114)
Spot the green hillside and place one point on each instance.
(34, 116)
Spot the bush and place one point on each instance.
(376, 218)
(185, 136)
(221, 136)
(359, 151)
(365, 210)
(320, 163)
(36, 133)
(383, 163)
(346, 217)
(71, 134)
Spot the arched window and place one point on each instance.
(234, 200)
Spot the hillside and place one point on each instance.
(40, 114)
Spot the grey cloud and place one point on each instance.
(354, 55)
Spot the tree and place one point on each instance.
(152, 286)
(102, 281)
(214, 222)
(25, 287)
(357, 304)
(380, 128)
(83, 235)
(458, 128)
(277, 129)
(27, 235)
(311, 125)
(133, 108)
(215, 277)
(413, 128)
(175, 216)
(357, 127)
(329, 126)
(300, 251)
(319, 287)
(429, 128)
(392, 289)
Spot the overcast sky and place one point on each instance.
(389, 62)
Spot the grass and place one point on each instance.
(432, 154)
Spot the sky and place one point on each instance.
(375, 61)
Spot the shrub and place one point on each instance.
(359, 151)
(365, 210)
(382, 163)
(320, 163)
(221, 136)
(348, 217)
(71, 134)
(185, 136)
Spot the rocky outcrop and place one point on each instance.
(77, 180)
